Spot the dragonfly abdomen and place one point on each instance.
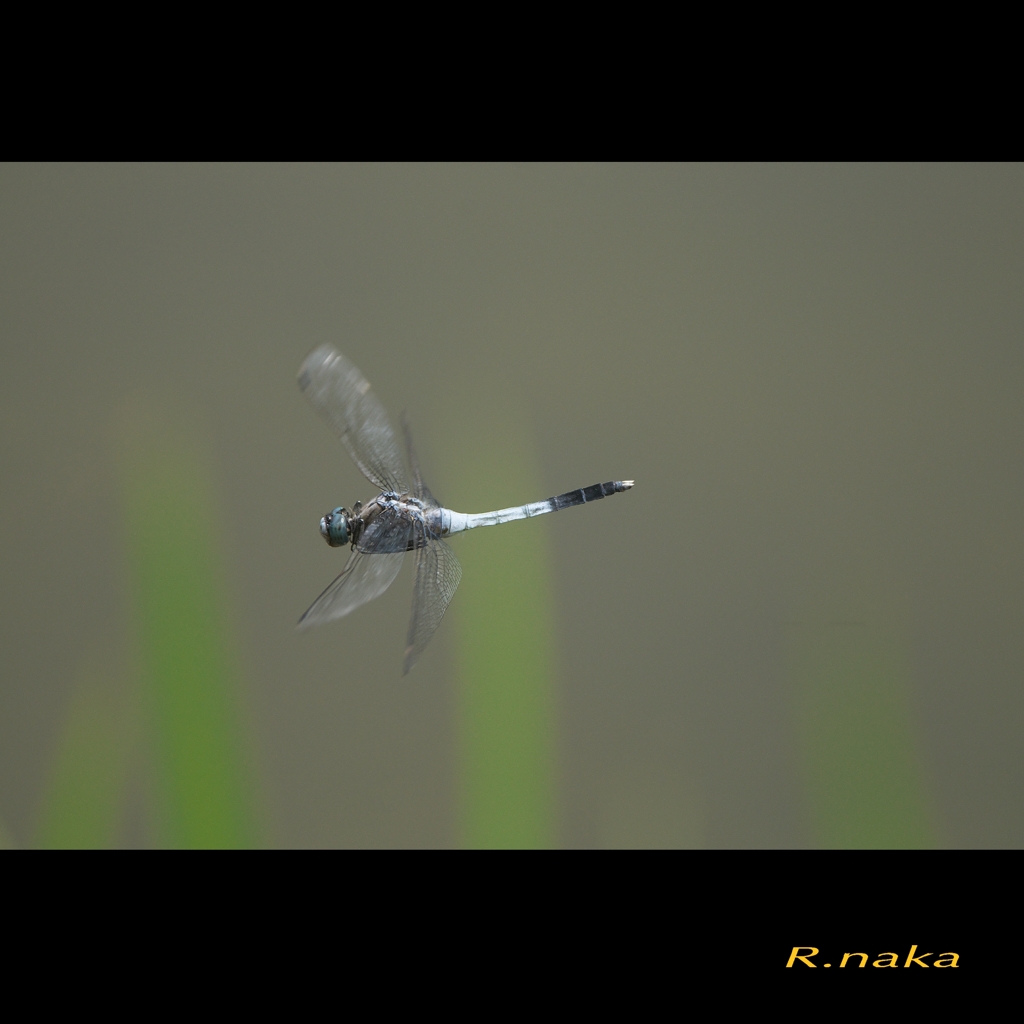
(591, 493)
(456, 522)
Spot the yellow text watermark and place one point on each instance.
(804, 956)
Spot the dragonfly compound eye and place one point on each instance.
(334, 528)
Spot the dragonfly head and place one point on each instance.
(336, 527)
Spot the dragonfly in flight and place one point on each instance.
(402, 517)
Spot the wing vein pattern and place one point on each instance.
(342, 395)
(437, 578)
(364, 577)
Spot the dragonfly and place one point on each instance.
(404, 516)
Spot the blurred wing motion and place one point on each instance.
(363, 578)
(419, 487)
(437, 578)
(343, 396)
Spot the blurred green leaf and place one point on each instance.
(83, 806)
(861, 766)
(201, 785)
(506, 657)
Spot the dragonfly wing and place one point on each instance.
(342, 395)
(419, 487)
(437, 578)
(363, 578)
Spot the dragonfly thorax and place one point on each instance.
(391, 498)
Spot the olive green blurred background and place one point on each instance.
(802, 628)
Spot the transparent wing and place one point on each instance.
(342, 395)
(437, 578)
(419, 487)
(363, 578)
